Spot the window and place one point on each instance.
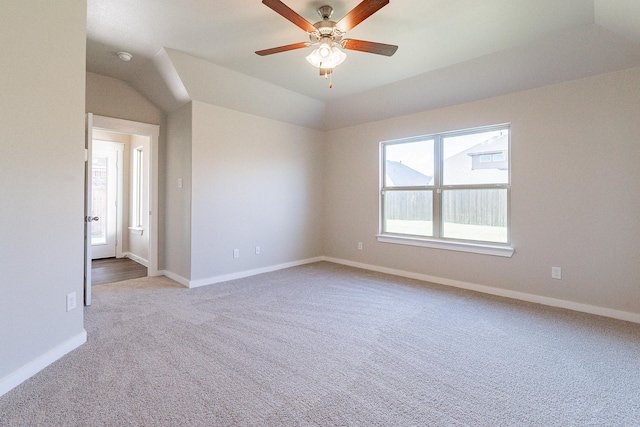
(451, 187)
(137, 193)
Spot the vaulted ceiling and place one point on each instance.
(450, 51)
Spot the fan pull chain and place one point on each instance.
(326, 75)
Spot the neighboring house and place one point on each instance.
(400, 175)
(484, 162)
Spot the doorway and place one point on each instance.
(135, 215)
(107, 197)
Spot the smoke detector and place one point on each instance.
(125, 56)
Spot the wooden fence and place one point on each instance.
(475, 207)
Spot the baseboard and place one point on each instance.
(552, 302)
(522, 296)
(30, 369)
(137, 259)
(248, 273)
(175, 277)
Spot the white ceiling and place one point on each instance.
(443, 45)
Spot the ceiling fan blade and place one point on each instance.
(282, 48)
(360, 13)
(370, 47)
(288, 13)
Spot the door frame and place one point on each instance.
(88, 148)
(151, 131)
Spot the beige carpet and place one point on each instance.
(329, 345)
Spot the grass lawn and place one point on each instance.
(451, 230)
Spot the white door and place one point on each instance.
(105, 177)
(88, 218)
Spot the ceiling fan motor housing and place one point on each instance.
(326, 29)
(325, 12)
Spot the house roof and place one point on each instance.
(400, 175)
(492, 145)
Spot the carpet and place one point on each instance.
(329, 345)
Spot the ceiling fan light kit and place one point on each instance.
(328, 35)
(329, 57)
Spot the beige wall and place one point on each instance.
(256, 182)
(111, 97)
(41, 183)
(176, 210)
(575, 174)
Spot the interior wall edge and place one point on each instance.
(175, 277)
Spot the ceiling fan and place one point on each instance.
(329, 35)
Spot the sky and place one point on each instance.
(418, 154)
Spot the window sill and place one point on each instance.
(136, 230)
(477, 248)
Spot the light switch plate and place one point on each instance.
(71, 301)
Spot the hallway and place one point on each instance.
(111, 270)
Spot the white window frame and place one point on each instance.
(137, 196)
(437, 241)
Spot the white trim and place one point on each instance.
(477, 248)
(137, 259)
(248, 273)
(522, 296)
(30, 369)
(136, 230)
(120, 201)
(552, 302)
(153, 132)
(175, 277)
(239, 275)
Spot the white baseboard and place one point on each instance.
(30, 369)
(247, 273)
(175, 277)
(522, 296)
(137, 259)
(552, 302)
(233, 276)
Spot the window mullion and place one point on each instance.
(437, 187)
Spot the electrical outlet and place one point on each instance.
(257, 250)
(179, 182)
(71, 301)
(556, 273)
(359, 246)
(236, 253)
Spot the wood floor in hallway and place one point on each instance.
(111, 270)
